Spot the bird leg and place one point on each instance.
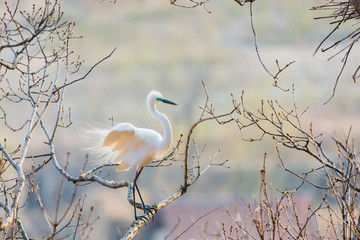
(137, 189)
(146, 210)
(133, 190)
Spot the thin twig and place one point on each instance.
(198, 219)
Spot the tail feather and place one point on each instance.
(93, 140)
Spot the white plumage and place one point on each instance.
(134, 147)
(131, 146)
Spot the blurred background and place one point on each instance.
(172, 50)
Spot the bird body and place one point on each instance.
(135, 147)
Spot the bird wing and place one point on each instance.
(133, 147)
(122, 138)
(116, 133)
(120, 131)
(117, 138)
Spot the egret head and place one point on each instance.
(155, 97)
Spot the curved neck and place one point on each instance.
(167, 137)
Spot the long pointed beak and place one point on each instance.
(167, 101)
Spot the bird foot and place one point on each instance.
(142, 218)
(149, 212)
(152, 210)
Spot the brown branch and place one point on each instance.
(242, 2)
(86, 74)
(198, 219)
(275, 77)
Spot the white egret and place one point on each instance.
(137, 147)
